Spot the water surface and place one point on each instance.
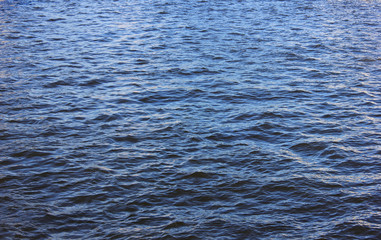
(162, 119)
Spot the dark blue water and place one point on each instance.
(166, 119)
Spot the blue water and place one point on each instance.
(164, 119)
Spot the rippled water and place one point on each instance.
(166, 119)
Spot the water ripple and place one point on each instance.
(196, 120)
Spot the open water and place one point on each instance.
(166, 119)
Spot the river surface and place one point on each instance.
(166, 119)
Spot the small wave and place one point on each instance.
(55, 19)
(93, 82)
(310, 148)
(176, 224)
(107, 117)
(30, 153)
(190, 72)
(58, 83)
(126, 138)
(197, 174)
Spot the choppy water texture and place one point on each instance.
(162, 119)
